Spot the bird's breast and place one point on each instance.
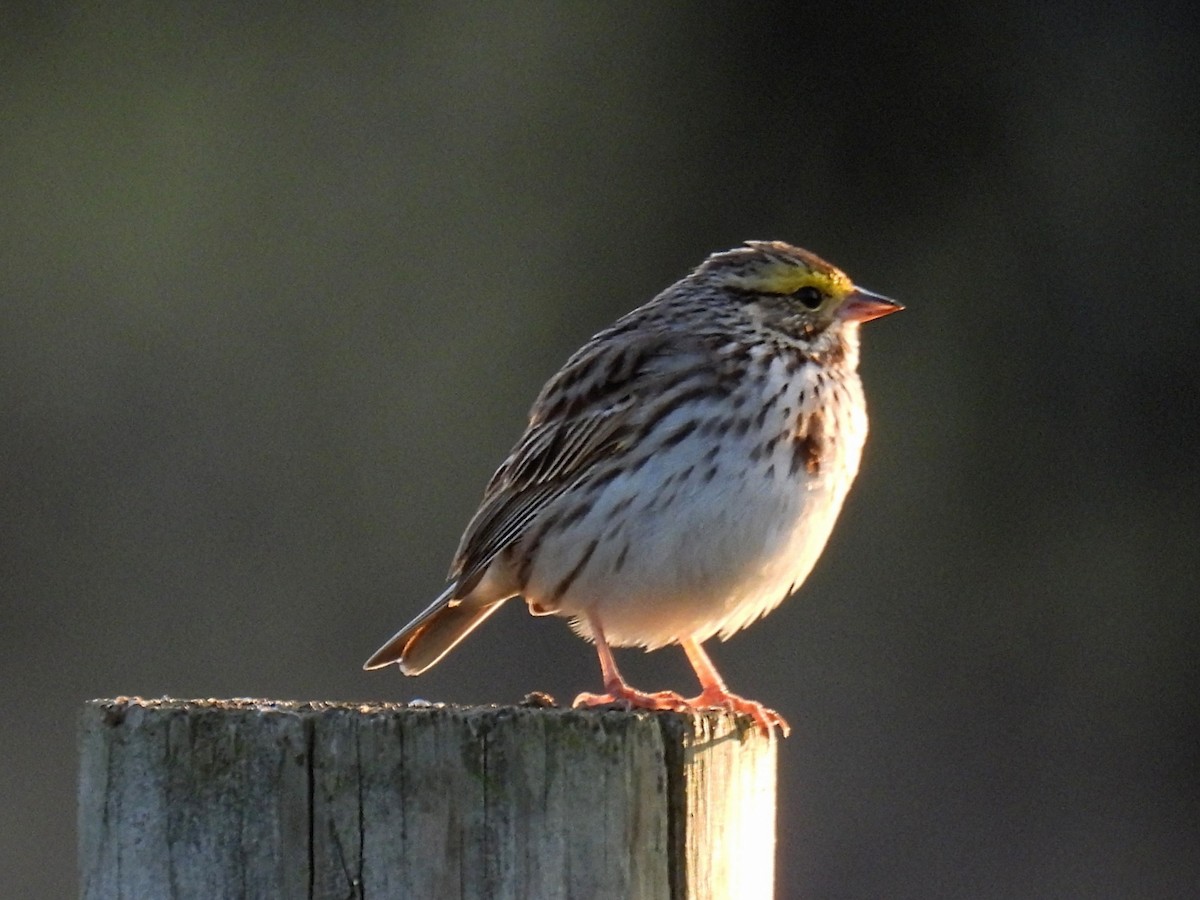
(704, 535)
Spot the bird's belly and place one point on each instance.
(697, 554)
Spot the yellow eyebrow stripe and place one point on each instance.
(785, 279)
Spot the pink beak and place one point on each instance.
(862, 305)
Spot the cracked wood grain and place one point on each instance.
(247, 798)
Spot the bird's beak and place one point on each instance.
(862, 305)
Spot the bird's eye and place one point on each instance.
(810, 296)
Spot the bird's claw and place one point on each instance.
(630, 698)
(766, 719)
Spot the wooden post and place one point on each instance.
(264, 799)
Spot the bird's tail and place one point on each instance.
(421, 643)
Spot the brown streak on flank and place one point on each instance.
(565, 584)
(806, 453)
(808, 444)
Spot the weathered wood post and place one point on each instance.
(264, 799)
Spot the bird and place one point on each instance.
(678, 477)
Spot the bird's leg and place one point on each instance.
(616, 691)
(714, 694)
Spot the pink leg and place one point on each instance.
(616, 691)
(714, 694)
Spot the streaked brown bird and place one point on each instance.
(679, 476)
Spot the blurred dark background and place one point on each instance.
(279, 284)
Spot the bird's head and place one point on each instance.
(793, 289)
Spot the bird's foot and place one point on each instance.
(766, 719)
(621, 694)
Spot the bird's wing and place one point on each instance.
(583, 416)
